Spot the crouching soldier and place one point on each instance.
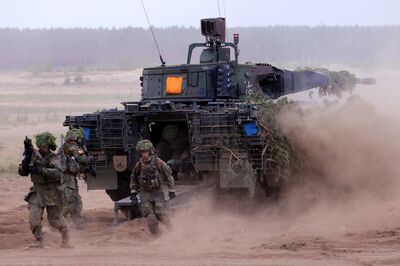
(78, 162)
(146, 180)
(46, 171)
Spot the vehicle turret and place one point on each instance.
(218, 78)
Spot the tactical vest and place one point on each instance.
(72, 166)
(149, 177)
(50, 175)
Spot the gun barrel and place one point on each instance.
(366, 81)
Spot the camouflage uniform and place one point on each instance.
(76, 161)
(147, 180)
(47, 192)
(173, 149)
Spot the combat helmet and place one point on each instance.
(75, 134)
(46, 139)
(144, 145)
(170, 133)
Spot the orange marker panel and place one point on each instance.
(174, 85)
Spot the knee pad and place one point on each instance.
(159, 209)
(146, 209)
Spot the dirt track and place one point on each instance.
(311, 226)
(221, 239)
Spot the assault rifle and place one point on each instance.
(28, 152)
(62, 154)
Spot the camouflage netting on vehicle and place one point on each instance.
(285, 159)
(338, 81)
(46, 139)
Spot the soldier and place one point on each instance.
(173, 149)
(146, 180)
(45, 170)
(77, 162)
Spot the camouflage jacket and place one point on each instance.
(76, 162)
(148, 176)
(47, 185)
(78, 153)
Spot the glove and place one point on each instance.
(37, 169)
(134, 199)
(171, 194)
(133, 196)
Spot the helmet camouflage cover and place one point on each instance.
(75, 134)
(46, 139)
(144, 145)
(170, 132)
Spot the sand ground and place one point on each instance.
(361, 231)
(358, 237)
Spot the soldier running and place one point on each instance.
(77, 163)
(46, 171)
(146, 180)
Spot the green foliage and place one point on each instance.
(285, 158)
(338, 81)
(74, 134)
(129, 47)
(46, 139)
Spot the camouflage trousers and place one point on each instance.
(74, 206)
(153, 208)
(36, 211)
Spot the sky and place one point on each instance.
(165, 13)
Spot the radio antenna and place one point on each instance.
(219, 9)
(227, 35)
(154, 36)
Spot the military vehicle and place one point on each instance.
(197, 116)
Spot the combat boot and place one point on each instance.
(152, 223)
(78, 222)
(38, 243)
(65, 239)
(37, 233)
(164, 219)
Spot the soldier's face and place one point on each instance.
(145, 155)
(44, 150)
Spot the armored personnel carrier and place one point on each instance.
(197, 116)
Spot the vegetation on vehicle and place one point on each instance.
(285, 157)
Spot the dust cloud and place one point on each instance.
(351, 163)
(343, 210)
(350, 181)
(351, 149)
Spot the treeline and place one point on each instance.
(128, 48)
